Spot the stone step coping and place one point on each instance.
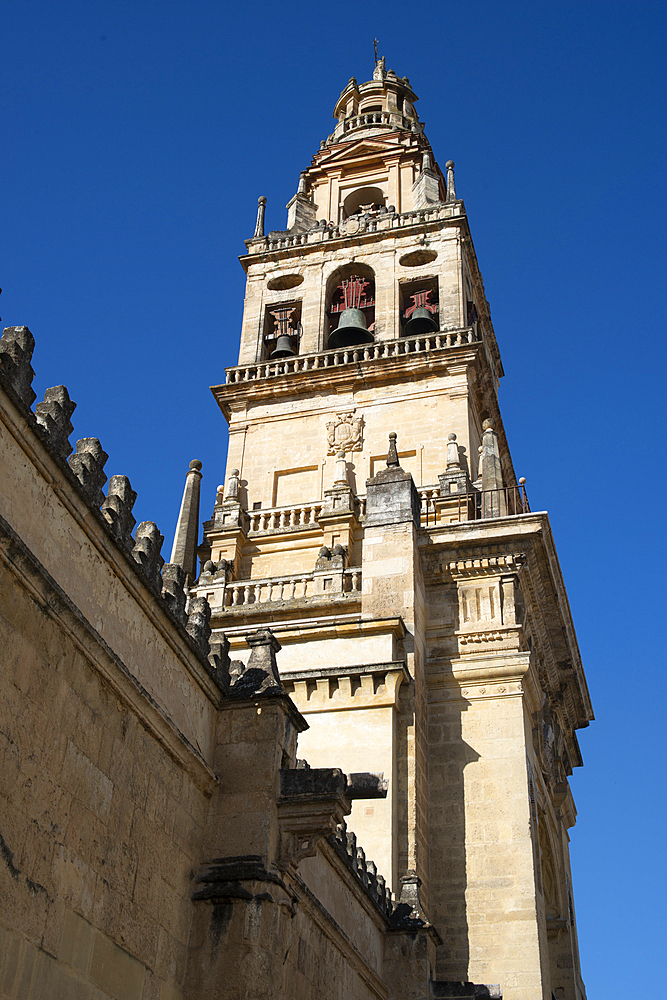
(314, 673)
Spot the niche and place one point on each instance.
(284, 281)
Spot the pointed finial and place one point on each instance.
(451, 190)
(392, 454)
(261, 208)
(453, 457)
(302, 183)
(232, 492)
(379, 72)
(184, 551)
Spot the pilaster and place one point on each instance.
(392, 583)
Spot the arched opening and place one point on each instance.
(363, 200)
(350, 306)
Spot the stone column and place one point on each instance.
(184, 551)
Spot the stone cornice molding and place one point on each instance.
(522, 544)
(336, 690)
(490, 565)
(232, 396)
(330, 627)
(413, 226)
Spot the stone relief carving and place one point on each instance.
(345, 433)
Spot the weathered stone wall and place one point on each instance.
(100, 826)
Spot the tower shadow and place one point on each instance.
(449, 755)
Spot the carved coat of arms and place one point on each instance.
(345, 433)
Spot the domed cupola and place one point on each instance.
(383, 104)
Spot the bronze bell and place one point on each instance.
(421, 321)
(351, 330)
(283, 347)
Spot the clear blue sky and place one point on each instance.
(137, 138)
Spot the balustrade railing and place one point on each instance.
(332, 231)
(372, 118)
(508, 501)
(503, 502)
(352, 355)
(287, 588)
(285, 518)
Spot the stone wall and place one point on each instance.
(100, 826)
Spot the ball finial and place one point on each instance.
(195, 464)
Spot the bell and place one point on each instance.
(351, 330)
(421, 321)
(283, 348)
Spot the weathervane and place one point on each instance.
(375, 49)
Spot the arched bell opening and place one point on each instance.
(419, 307)
(282, 331)
(364, 201)
(350, 306)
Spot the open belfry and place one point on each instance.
(375, 659)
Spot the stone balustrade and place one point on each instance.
(427, 496)
(241, 593)
(324, 231)
(283, 519)
(352, 355)
(363, 120)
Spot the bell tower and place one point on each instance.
(371, 515)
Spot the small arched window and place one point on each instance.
(365, 199)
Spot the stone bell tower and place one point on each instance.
(371, 515)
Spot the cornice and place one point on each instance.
(338, 378)
(521, 544)
(310, 630)
(411, 227)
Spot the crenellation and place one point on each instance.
(116, 509)
(173, 592)
(198, 619)
(16, 348)
(146, 553)
(87, 464)
(53, 416)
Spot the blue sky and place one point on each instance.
(137, 138)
